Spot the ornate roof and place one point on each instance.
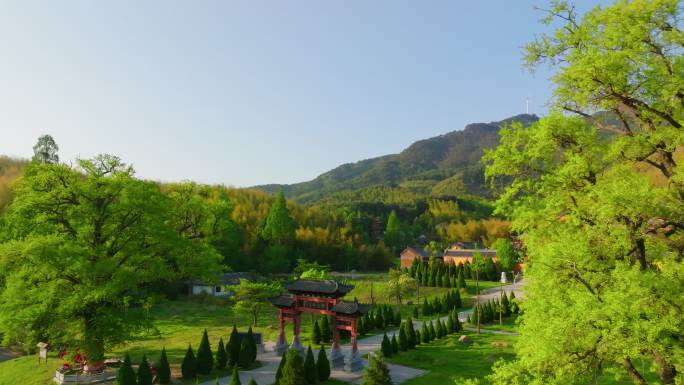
(314, 286)
(282, 301)
(344, 307)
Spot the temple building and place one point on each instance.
(321, 297)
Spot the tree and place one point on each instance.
(400, 285)
(403, 339)
(293, 370)
(477, 265)
(310, 372)
(395, 344)
(144, 372)
(235, 378)
(411, 334)
(386, 346)
(279, 372)
(450, 324)
(322, 365)
(600, 253)
(252, 297)
(189, 364)
(125, 375)
(252, 346)
(431, 329)
(316, 333)
(394, 236)
(252, 382)
(66, 223)
(221, 355)
(205, 358)
(414, 312)
(45, 150)
(280, 227)
(245, 356)
(461, 284)
(424, 333)
(234, 347)
(163, 369)
(506, 256)
(376, 373)
(326, 332)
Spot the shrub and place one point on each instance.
(205, 358)
(376, 372)
(189, 364)
(316, 334)
(234, 345)
(322, 365)
(235, 378)
(293, 370)
(310, 372)
(221, 355)
(125, 375)
(386, 346)
(163, 369)
(144, 372)
(395, 344)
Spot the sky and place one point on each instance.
(252, 92)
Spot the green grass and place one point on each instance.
(509, 325)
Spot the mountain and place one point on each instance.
(443, 165)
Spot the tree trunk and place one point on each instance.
(633, 373)
(667, 370)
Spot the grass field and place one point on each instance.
(181, 322)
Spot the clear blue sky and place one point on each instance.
(251, 92)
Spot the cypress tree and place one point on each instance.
(205, 359)
(386, 346)
(426, 307)
(458, 302)
(379, 321)
(424, 333)
(322, 365)
(415, 312)
(316, 334)
(457, 323)
(245, 356)
(126, 375)
(361, 326)
(221, 355)
(397, 318)
(461, 280)
(252, 346)
(235, 378)
(293, 370)
(413, 339)
(389, 316)
(279, 372)
(144, 372)
(438, 330)
(376, 373)
(310, 372)
(234, 345)
(403, 341)
(431, 328)
(326, 331)
(252, 382)
(418, 338)
(506, 305)
(163, 369)
(395, 344)
(189, 364)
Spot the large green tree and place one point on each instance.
(280, 227)
(599, 199)
(252, 297)
(82, 245)
(45, 150)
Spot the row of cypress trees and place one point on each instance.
(489, 311)
(240, 352)
(321, 332)
(126, 375)
(380, 317)
(450, 300)
(293, 370)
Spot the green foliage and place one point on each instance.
(280, 227)
(376, 373)
(67, 223)
(424, 333)
(252, 382)
(163, 369)
(326, 331)
(279, 371)
(189, 364)
(386, 346)
(252, 297)
(403, 339)
(395, 344)
(245, 356)
(126, 375)
(235, 378)
(144, 372)
(234, 347)
(293, 369)
(45, 150)
(316, 333)
(310, 372)
(221, 355)
(252, 345)
(205, 358)
(322, 365)
(400, 285)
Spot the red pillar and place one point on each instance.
(297, 322)
(355, 348)
(281, 331)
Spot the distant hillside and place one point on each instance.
(10, 170)
(446, 165)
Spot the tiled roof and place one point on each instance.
(318, 286)
(282, 301)
(470, 253)
(344, 307)
(418, 250)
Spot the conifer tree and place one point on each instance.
(506, 305)
(252, 346)
(361, 326)
(310, 372)
(403, 340)
(397, 318)
(293, 370)
(426, 307)
(126, 375)
(415, 312)
(252, 382)
(322, 365)
(395, 344)
(379, 321)
(189, 364)
(424, 333)
(457, 323)
(461, 280)
(431, 328)
(413, 339)
(450, 324)
(439, 332)
(144, 372)
(376, 373)
(326, 331)
(235, 378)
(245, 356)
(418, 338)
(386, 346)
(279, 372)
(316, 334)
(163, 369)
(234, 345)
(221, 355)
(205, 359)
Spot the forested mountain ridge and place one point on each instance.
(442, 165)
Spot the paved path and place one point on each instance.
(6, 354)
(265, 375)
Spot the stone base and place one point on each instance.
(336, 357)
(281, 347)
(353, 362)
(297, 345)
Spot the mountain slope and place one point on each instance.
(443, 165)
